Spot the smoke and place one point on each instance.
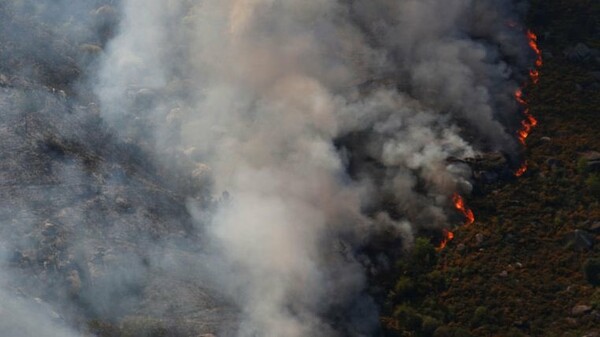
(323, 123)
(243, 153)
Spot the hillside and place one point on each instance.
(260, 168)
(528, 266)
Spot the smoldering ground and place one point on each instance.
(326, 123)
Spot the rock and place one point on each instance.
(591, 334)
(546, 139)
(519, 265)
(580, 310)
(553, 163)
(460, 247)
(74, 282)
(594, 165)
(504, 273)
(122, 204)
(49, 230)
(595, 75)
(3, 80)
(579, 240)
(595, 227)
(487, 177)
(92, 49)
(580, 53)
(593, 87)
(591, 155)
(479, 239)
(572, 322)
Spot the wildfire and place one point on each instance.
(534, 46)
(534, 74)
(519, 97)
(526, 126)
(459, 204)
(521, 170)
(529, 122)
(448, 236)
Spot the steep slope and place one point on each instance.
(525, 267)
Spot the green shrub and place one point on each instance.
(582, 165)
(591, 269)
(429, 325)
(143, 327)
(595, 299)
(446, 331)
(424, 254)
(404, 287)
(593, 184)
(103, 329)
(408, 317)
(480, 317)
(515, 333)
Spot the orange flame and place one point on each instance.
(521, 170)
(534, 75)
(534, 46)
(519, 97)
(448, 236)
(526, 126)
(459, 204)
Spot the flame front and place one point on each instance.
(529, 122)
(534, 46)
(526, 126)
(459, 204)
(519, 97)
(521, 170)
(448, 236)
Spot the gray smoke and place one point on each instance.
(325, 122)
(229, 161)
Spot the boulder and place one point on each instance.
(580, 310)
(553, 163)
(595, 227)
(579, 240)
(592, 160)
(580, 53)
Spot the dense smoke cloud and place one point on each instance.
(219, 154)
(325, 121)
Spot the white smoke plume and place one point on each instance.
(325, 122)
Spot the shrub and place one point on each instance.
(408, 317)
(480, 316)
(143, 327)
(404, 287)
(446, 331)
(515, 333)
(591, 269)
(582, 165)
(593, 184)
(595, 299)
(429, 325)
(424, 254)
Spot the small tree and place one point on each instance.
(591, 269)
